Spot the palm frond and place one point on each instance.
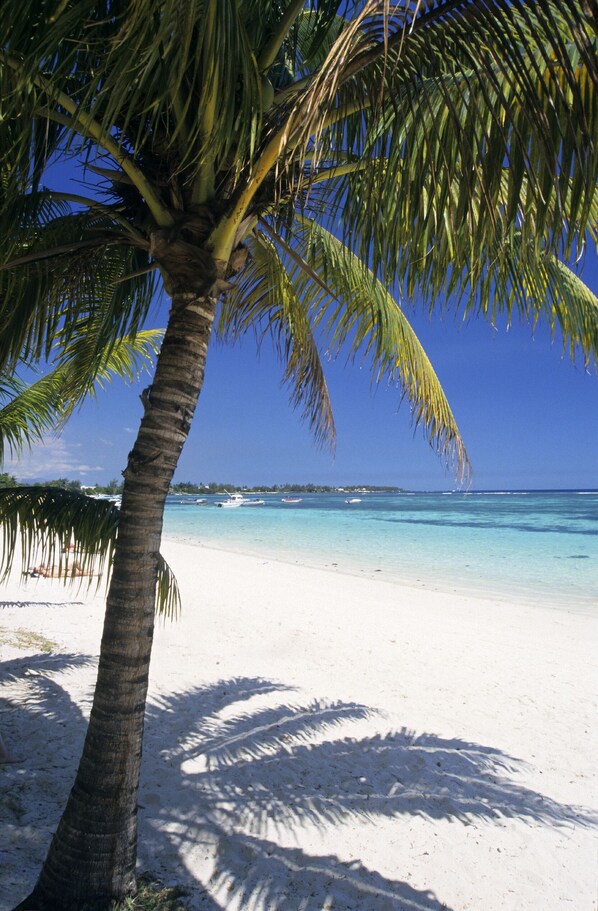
(71, 534)
(265, 300)
(27, 412)
(374, 327)
(435, 118)
(316, 291)
(70, 270)
(454, 253)
(57, 528)
(168, 596)
(91, 358)
(559, 296)
(307, 41)
(140, 69)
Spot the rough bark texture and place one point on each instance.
(93, 853)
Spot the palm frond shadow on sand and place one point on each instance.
(43, 724)
(253, 760)
(239, 762)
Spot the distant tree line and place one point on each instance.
(112, 487)
(189, 487)
(9, 480)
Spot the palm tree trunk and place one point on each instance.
(92, 857)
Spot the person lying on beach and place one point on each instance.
(6, 755)
(53, 572)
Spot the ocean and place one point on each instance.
(538, 546)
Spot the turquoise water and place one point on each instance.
(539, 546)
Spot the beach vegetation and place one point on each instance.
(152, 895)
(64, 483)
(297, 171)
(27, 639)
(114, 486)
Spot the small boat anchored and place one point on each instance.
(237, 499)
(234, 500)
(291, 499)
(353, 500)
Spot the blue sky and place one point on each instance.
(527, 414)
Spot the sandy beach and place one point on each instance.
(318, 741)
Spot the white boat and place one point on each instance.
(107, 497)
(291, 499)
(237, 499)
(353, 500)
(234, 500)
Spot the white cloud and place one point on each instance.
(129, 429)
(54, 458)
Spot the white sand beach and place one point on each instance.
(320, 741)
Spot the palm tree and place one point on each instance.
(274, 165)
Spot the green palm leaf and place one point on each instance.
(424, 134)
(33, 309)
(266, 300)
(376, 329)
(572, 307)
(290, 289)
(71, 532)
(446, 260)
(28, 412)
(88, 362)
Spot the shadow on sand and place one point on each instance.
(254, 761)
(228, 767)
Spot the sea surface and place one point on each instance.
(539, 546)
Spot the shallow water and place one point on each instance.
(539, 546)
